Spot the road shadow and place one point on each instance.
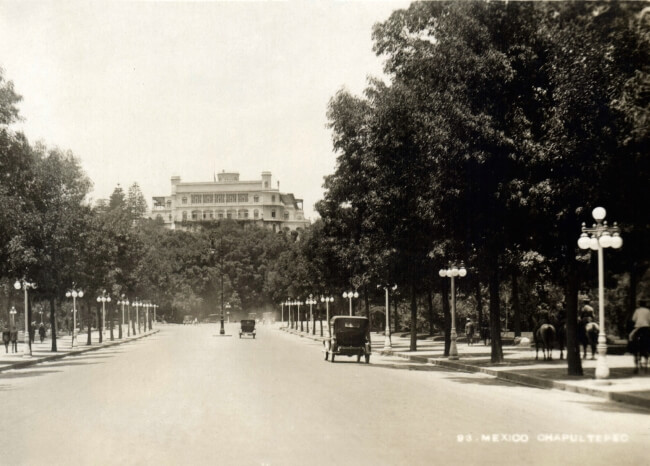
(491, 381)
(611, 406)
(24, 373)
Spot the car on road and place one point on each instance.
(349, 336)
(247, 328)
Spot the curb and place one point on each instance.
(530, 381)
(55, 357)
(519, 379)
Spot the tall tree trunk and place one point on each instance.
(516, 317)
(479, 303)
(446, 312)
(574, 364)
(430, 312)
(53, 323)
(99, 324)
(495, 318)
(90, 319)
(366, 301)
(414, 319)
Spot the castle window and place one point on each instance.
(242, 198)
(196, 214)
(184, 200)
(256, 199)
(273, 198)
(219, 198)
(207, 198)
(184, 216)
(196, 198)
(231, 197)
(256, 213)
(273, 213)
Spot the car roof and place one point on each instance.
(348, 318)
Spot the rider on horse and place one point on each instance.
(587, 314)
(641, 318)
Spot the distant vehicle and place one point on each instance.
(247, 328)
(350, 336)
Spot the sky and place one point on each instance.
(143, 91)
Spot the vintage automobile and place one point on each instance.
(247, 328)
(349, 336)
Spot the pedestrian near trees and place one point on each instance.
(14, 339)
(6, 337)
(41, 332)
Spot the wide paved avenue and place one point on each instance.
(187, 396)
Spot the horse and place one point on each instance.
(588, 336)
(639, 346)
(545, 336)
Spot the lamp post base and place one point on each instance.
(453, 348)
(602, 371)
(222, 330)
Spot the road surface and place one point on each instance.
(188, 396)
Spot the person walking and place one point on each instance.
(41, 332)
(14, 339)
(469, 331)
(6, 337)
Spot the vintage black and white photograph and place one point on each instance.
(352, 232)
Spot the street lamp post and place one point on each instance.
(289, 319)
(298, 303)
(602, 236)
(25, 285)
(122, 302)
(311, 301)
(146, 315)
(137, 305)
(104, 298)
(452, 272)
(349, 295)
(74, 294)
(388, 348)
(155, 306)
(327, 300)
(13, 313)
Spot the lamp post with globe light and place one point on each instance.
(12, 314)
(602, 236)
(25, 285)
(388, 348)
(349, 295)
(327, 300)
(104, 298)
(311, 301)
(289, 318)
(124, 301)
(452, 272)
(74, 294)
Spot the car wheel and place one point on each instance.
(358, 357)
(326, 355)
(332, 357)
(367, 359)
(253, 337)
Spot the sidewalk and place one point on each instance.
(520, 367)
(42, 352)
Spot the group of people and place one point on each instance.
(10, 335)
